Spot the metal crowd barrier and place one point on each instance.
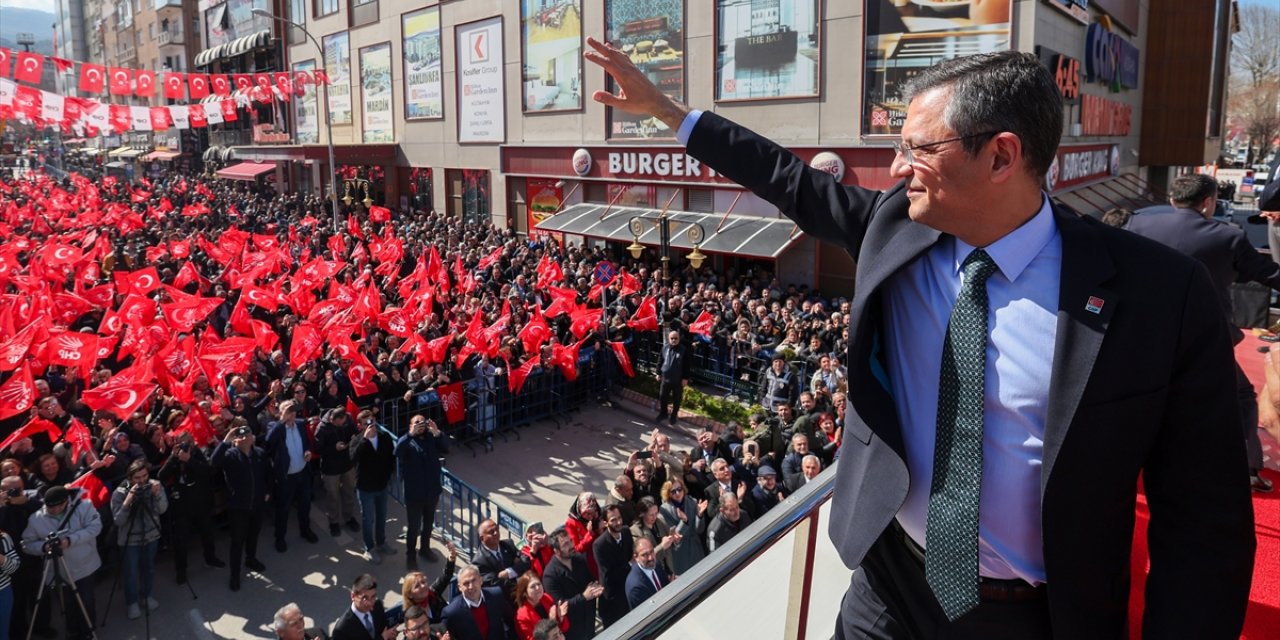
(714, 363)
(461, 510)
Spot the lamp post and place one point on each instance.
(694, 232)
(328, 124)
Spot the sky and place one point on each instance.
(43, 5)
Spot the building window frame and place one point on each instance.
(326, 7)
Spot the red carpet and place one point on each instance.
(1262, 621)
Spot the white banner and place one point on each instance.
(51, 106)
(481, 104)
(98, 115)
(181, 116)
(375, 89)
(7, 89)
(213, 113)
(337, 63)
(140, 117)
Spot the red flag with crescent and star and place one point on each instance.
(91, 488)
(93, 78)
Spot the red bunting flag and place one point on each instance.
(220, 85)
(92, 78)
(173, 87)
(624, 359)
(704, 325)
(197, 118)
(18, 393)
(120, 81)
(228, 110)
(33, 427)
(283, 82)
(160, 118)
(322, 76)
(198, 86)
(455, 406)
(92, 488)
(5, 57)
(144, 83)
(29, 68)
(243, 81)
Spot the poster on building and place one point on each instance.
(337, 65)
(543, 198)
(767, 49)
(305, 113)
(551, 31)
(423, 85)
(375, 93)
(481, 104)
(651, 33)
(907, 36)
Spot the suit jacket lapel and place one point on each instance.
(1084, 311)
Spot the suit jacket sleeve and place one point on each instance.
(814, 199)
(1201, 530)
(1269, 199)
(1251, 265)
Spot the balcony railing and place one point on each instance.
(172, 36)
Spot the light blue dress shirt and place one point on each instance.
(1022, 329)
(293, 442)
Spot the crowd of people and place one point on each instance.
(173, 344)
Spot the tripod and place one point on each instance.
(53, 560)
(132, 525)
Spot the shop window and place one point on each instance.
(468, 194)
(420, 193)
(595, 192)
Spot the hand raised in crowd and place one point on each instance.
(702, 507)
(593, 591)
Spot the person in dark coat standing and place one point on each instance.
(374, 454)
(246, 471)
(672, 377)
(337, 471)
(418, 453)
(646, 576)
(567, 579)
(189, 478)
(365, 619)
(479, 612)
(291, 447)
(613, 549)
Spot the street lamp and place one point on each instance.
(694, 232)
(328, 124)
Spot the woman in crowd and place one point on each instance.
(430, 597)
(651, 525)
(535, 606)
(49, 472)
(685, 517)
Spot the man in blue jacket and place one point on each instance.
(290, 446)
(418, 453)
(247, 473)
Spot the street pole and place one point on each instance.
(328, 120)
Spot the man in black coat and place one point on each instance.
(374, 454)
(290, 447)
(246, 472)
(479, 612)
(337, 470)
(418, 453)
(189, 478)
(365, 619)
(498, 560)
(613, 550)
(672, 377)
(567, 579)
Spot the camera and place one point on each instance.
(243, 432)
(185, 447)
(14, 492)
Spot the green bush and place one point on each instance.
(718, 408)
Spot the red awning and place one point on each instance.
(161, 155)
(245, 170)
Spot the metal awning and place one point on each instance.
(131, 154)
(206, 57)
(115, 153)
(211, 154)
(1127, 191)
(245, 171)
(243, 45)
(161, 156)
(741, 235)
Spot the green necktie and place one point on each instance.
(951, 533)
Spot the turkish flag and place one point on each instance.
(243, 81)
(198, 426)
(29, 102)
(300, 80)
(144, 83)
(630, 284)
(197, 85)
(160, 119)
(361, 374)
(31, 428)
(92, 78)
(624, 359)
(101, 296)
(18, 393)
(5, 56)
(78, 437)
(566, 357)
(704, 324)
(379, 214)
(136, 311)
(219, 85)
(173, 86)
(228, 110)
(120, 399)
(534, 334)
(515, 380)
(584, 321)
(455, 406)
(140, 282)
(30, 67)
(120, 81)
(549, 271)
(646, 316)
(322, 76)
(305, 346)
(91, 487)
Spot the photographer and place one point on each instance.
(189, 477)
(136, 506)
(69, 530)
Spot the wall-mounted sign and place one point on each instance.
(1102, 117)
(1066, 73)
(829, 162)
(1110, 59)
(1077, 9)
(1076, 165)
(582, 162)
(481, 106)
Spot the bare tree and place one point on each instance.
(1254, 101)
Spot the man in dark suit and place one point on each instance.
(613, 550)
(646, 576)
(290, 447)
(479, 612)
(498, 560)
(365, 619)
(567, 579)
(1224, 250)
(672, 376)
(1012, 370)
(419, 455)
(374, 453)
(246, 474)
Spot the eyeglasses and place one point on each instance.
(906, 150)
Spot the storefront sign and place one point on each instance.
(375, 93)
(645, 164)
(481, 105)
(582, 162)
(829, 162)
(1077, 165)
(552, 39)
(1066, 73)
(1110, 59)
(1077, 9)
(423, 87)
(1102, 117)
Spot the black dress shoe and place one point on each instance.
(255, 565)
(281, 546)
(310, 536)
(215, 562)
(335, 529)
(1261, 484)
(235, 583)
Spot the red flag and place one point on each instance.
(549, 271)
(13, 350)
(379, 214)
(141, 282)
(322, 76)
(196, 116)
(121, 121)
(120, 399)
(584, 321)
(491, 259)
(144, 83)
(515, 379)
(173, 86)
(243, 81)
(220, 85)
(92, 78)
(630, 284)
(33, 427)
(228, 110)
(455, 406)
(353, 409)
(361, 373)
(305, 346)
(120, 81)
(646, 316)
(624, 359)
(74, 349)
(160, 118)
(30, 67)
(198, 426)
(18, 393)
(199, 85)
(5, 56)
(704, 324)
(566, 357)
(283, 81)
(92, 488)
(534, 334)
(78, 437)
(436, 349)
